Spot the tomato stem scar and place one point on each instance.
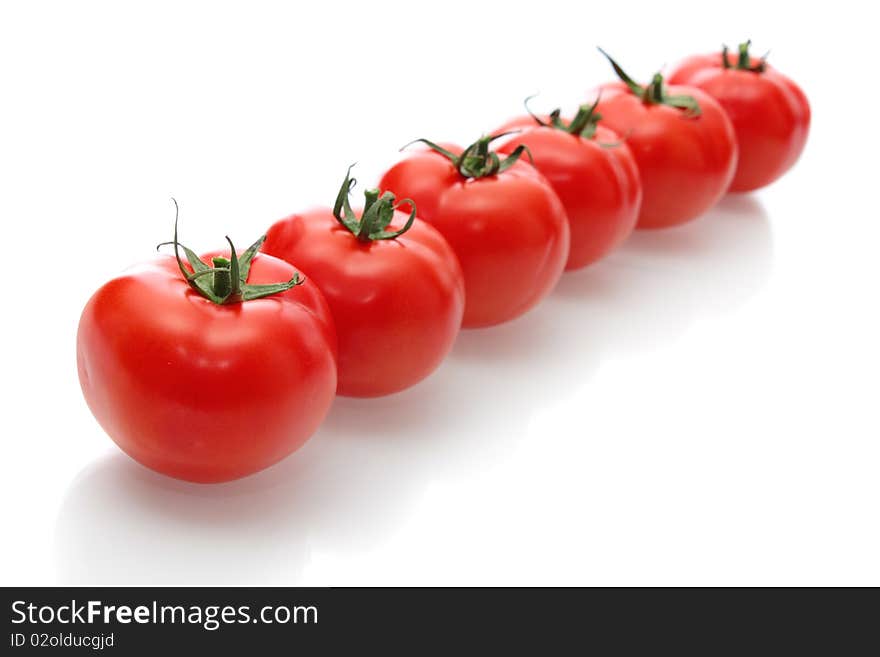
(656, 92)
(743, 60)
(477, 160)
(225, 282)
(583, 124)
(377, 214)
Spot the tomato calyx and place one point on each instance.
(477, 160)
(743, 60)
(225, 280)
(583, 124)
(378, 212)
(655, 93)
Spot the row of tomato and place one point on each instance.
(211, 368)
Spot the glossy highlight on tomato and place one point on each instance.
(502, 219)
(769, 112)
(206, 391)
(397, 302)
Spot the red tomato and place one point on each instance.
(501, 217)
(397, 299)
(593, 173)
(207, 391)
(770, 113)
(682, 141)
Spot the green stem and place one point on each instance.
(478, 160)
(371, 196)
(225, 282)
(584, 122)
(655, 89)
(743, 60)
(377, 215)
(743, 63)
(222, 280)
(655, 93)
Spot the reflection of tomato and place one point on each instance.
(770, 113)
(682, 141)
(593, 173)
(207, 391)
(501, 217)
(397, 299)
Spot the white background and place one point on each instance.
(699, 408)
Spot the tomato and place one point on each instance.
(203, 379)
(593, 173)
(682, 141)
(769, 112)
(501, 217)
(397, 296)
